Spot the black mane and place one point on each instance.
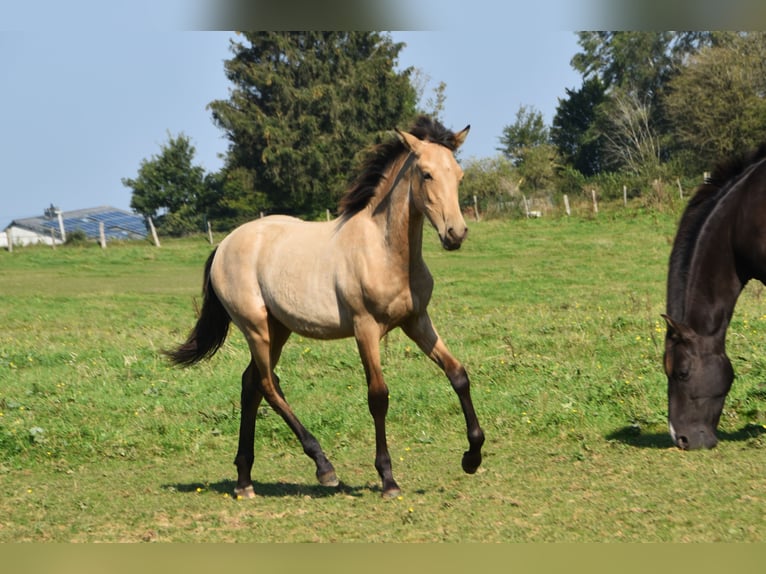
(699, 208)
(379, 158)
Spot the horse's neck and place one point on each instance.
(401, 224)
(713, 284)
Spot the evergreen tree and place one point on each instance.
(303, 106)
(572, 131)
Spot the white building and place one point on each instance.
(118, 225)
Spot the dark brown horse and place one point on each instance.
(360, 276)
(719, 247)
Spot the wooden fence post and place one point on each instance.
(101, 235)
(625, 195)
(595, 203)
(53, 239)
(9, 237)
(566, 205)
(61, 226)
(154, 231)
(680, 189)
(476, 208)
(209, 233)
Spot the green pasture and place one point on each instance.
(556, 319)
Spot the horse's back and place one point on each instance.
(749, 224)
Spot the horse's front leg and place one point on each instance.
(368, 342)
(422, 332)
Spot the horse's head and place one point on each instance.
(435, 179)
(699, 377)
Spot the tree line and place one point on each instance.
(303, 106)
(653, 107)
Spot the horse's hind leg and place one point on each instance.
(265, 356)
(250, 400)
(422, 332)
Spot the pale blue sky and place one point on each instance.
(84, 98)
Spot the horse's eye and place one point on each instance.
(682, 375)
(427, 175)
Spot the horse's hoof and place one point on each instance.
(471, 462)
(328, 479)
(244, 493)
(391, 493)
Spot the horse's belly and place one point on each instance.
(307, 304)
(311, 318)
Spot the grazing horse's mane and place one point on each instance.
(700, 206)
(375, 165)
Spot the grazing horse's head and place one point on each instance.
(434, 183)
(699, 377)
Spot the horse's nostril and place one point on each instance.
(457, 235)
(683, 443)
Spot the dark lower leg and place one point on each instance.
(325, 472)
(250, 400)
(461, 385)
(378, 403)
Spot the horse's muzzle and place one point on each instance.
(452, 240)
(694, 439)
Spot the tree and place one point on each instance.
(526, 132)
(538, 169)
(489, 179)
(572, 131)
(434, 104)
(636, 61)
(168, 187)
(527, 144)
(633, 69)
(304, 104)
(727, 85)
(632, 142)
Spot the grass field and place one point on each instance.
(557, 321)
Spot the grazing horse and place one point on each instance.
(720, 245)
(360, 275)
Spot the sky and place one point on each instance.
(89, 89)
(82, 103)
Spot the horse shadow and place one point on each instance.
(270, 489)
(633, 436)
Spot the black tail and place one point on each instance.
(209, 332)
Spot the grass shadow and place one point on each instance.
(633, 436)
(747, 432)
(270, 489)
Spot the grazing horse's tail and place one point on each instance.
(209, 332)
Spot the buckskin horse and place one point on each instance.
(360, 275)
(720, 245)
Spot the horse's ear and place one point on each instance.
(410, 141)
(461, 135)
(678, 331)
